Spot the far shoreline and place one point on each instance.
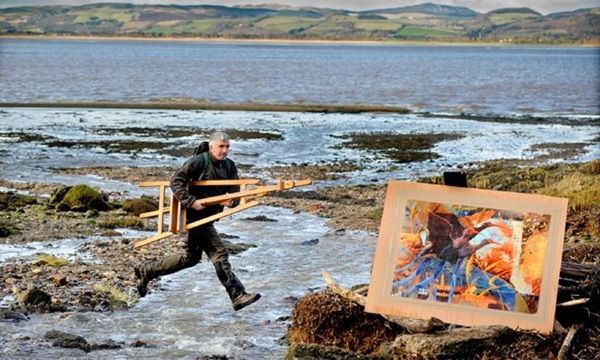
(200, 104)
(285, 41)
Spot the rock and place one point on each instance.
(139, 343)
(35, 297)
(5, 230)
(11, 315)
(458, 343)
(83, 198)
(314, 351)
(310, 242)
(66, 340)
(60, 279)
(139, 206)
(237, 248)
(58, 194)
(62, 207)
(109, 345)
(260, 218)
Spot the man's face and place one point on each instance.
(220, 149)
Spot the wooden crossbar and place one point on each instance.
(177, 213)
(221, 214)
(154, 213)
(281, 185)
(153, 239)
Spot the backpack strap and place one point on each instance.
(205, 156)
(206, 160)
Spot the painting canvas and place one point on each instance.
(468, 256)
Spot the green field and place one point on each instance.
(285, 23)
(308, 23)
(501, 19)
(412, 31)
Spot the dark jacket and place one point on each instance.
(216, 170)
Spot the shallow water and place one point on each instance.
(191, 315)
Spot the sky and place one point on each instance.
(542, 6)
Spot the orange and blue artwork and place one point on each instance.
(472, 256)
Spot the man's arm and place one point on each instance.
(181, 179)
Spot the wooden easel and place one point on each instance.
(177, 213)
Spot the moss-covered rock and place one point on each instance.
(4, 230)
(58, 194)
(52, 260)
(10, 201)
(139, 206)
(314, 351)
(66, 340)
(128, 222)
(35, 297)
(83, 198)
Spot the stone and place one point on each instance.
(60, 279)
(450, 344)
(35, 297)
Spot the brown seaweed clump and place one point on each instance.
(328, 319)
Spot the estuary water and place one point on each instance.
(190, 317)
(481, 79)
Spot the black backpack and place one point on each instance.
(202, 149)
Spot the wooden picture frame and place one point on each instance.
(468, 256)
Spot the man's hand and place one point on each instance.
(197, 205)
(228, 203)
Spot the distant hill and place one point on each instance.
(424, 22)
(429, 9)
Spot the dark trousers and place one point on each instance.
(200, 239)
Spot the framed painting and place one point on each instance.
(468, 256)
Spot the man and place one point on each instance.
(204, 238)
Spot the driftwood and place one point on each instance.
(566, 345)
(579, 281)
(411, 325)
(578, 297)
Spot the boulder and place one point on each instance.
(460, 343)
(83, 198)
(66, 340)
(35, 297)
(140, 205)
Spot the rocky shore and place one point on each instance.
(100, 278)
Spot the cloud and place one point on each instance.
(542, 6)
